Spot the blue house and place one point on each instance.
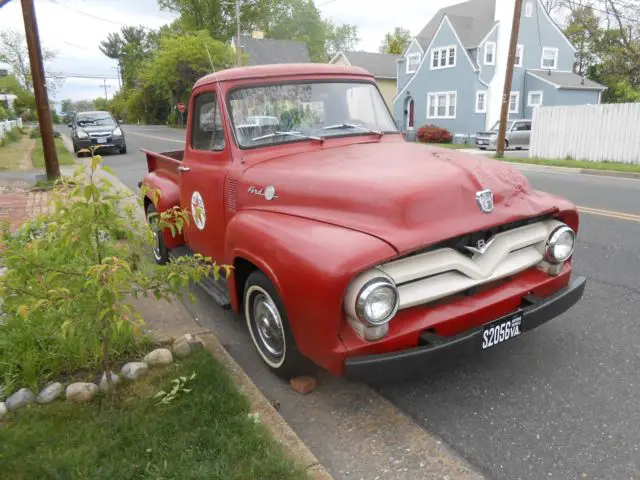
(452, 73)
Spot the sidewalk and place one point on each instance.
(18, 202)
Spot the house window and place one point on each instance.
(549, 57)
(519, 55)
(443, 57)
(534, 99)
(413, 60)
(514, 102)
(442, 104)
(481, 101)
(528, 9)
(490, 53)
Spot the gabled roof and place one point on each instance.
(472, 20)
(381, 65)
(267, 51)
(566, 80)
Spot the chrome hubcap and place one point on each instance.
(268, 325)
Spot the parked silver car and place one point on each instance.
(518, 135)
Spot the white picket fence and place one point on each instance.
(8, 125)
(595, 133)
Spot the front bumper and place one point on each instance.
(110, 142)
(414, 361)
(486, 142)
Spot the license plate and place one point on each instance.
(501, 330)
(102, 140)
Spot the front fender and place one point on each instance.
(169, 198)
(311, 264)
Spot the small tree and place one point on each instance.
(71, 277)
(396, 42)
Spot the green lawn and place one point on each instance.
(203, 434)
(452, 146)
(611, 166)
(64, 157)
(13, 152)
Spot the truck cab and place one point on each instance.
(352, 248)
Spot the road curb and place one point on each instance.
(584, 171)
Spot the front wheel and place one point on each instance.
(159, 249)
(269, 327)
(123, 149)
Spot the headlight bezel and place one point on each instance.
(552, 241)
(366, 291)
(82, 134)
(117, 132)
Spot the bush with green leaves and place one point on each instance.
(71, 277)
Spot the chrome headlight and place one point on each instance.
(117, 132)
(377, 301)
(560, 244)
(82, 134)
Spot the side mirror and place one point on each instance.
(120, 121)
(69, 125)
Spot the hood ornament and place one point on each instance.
(484, 199)
(481, 246)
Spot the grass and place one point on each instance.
(203, 434)
(64, 157)
(611, 166)
(452, 146)
(13, 148)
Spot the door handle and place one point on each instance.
(182, 168)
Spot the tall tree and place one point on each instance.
(14, 52)
(129, 48)
(614, 43)
(396, 42)
(584, 32)
(340, 38)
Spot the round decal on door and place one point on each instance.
(197, 210)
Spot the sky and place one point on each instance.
(74, 29)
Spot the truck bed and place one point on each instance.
(163, 161)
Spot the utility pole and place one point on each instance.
(508, 79)
(40, 90)
(238, 47)
(104, 82)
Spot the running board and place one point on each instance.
(216, 289)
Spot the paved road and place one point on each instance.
(561, 402)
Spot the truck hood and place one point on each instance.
(407, 194)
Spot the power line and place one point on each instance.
(80, 75)
(577, 5)
(90, 15)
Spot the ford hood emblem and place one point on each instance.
(484, 199)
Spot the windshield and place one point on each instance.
(497, 125)
(95, 120)
(264, 115)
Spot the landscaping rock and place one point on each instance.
(3, 409)
(81, 392)
(21, 398)
(104, 385)
(50, 393)
(159, 357)
(134, 370)
(186, 344)
(303, 385)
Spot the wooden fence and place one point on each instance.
(8, 125)
(595, 133)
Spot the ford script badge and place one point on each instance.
(484, 199)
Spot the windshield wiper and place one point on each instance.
(291, 134)
(352, 125)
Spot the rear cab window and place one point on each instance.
(207, 132)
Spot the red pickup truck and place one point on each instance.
(369, 255)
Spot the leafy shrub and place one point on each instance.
(70, 276)
(11, 136)
(433, 134)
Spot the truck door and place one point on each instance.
(202, 174)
